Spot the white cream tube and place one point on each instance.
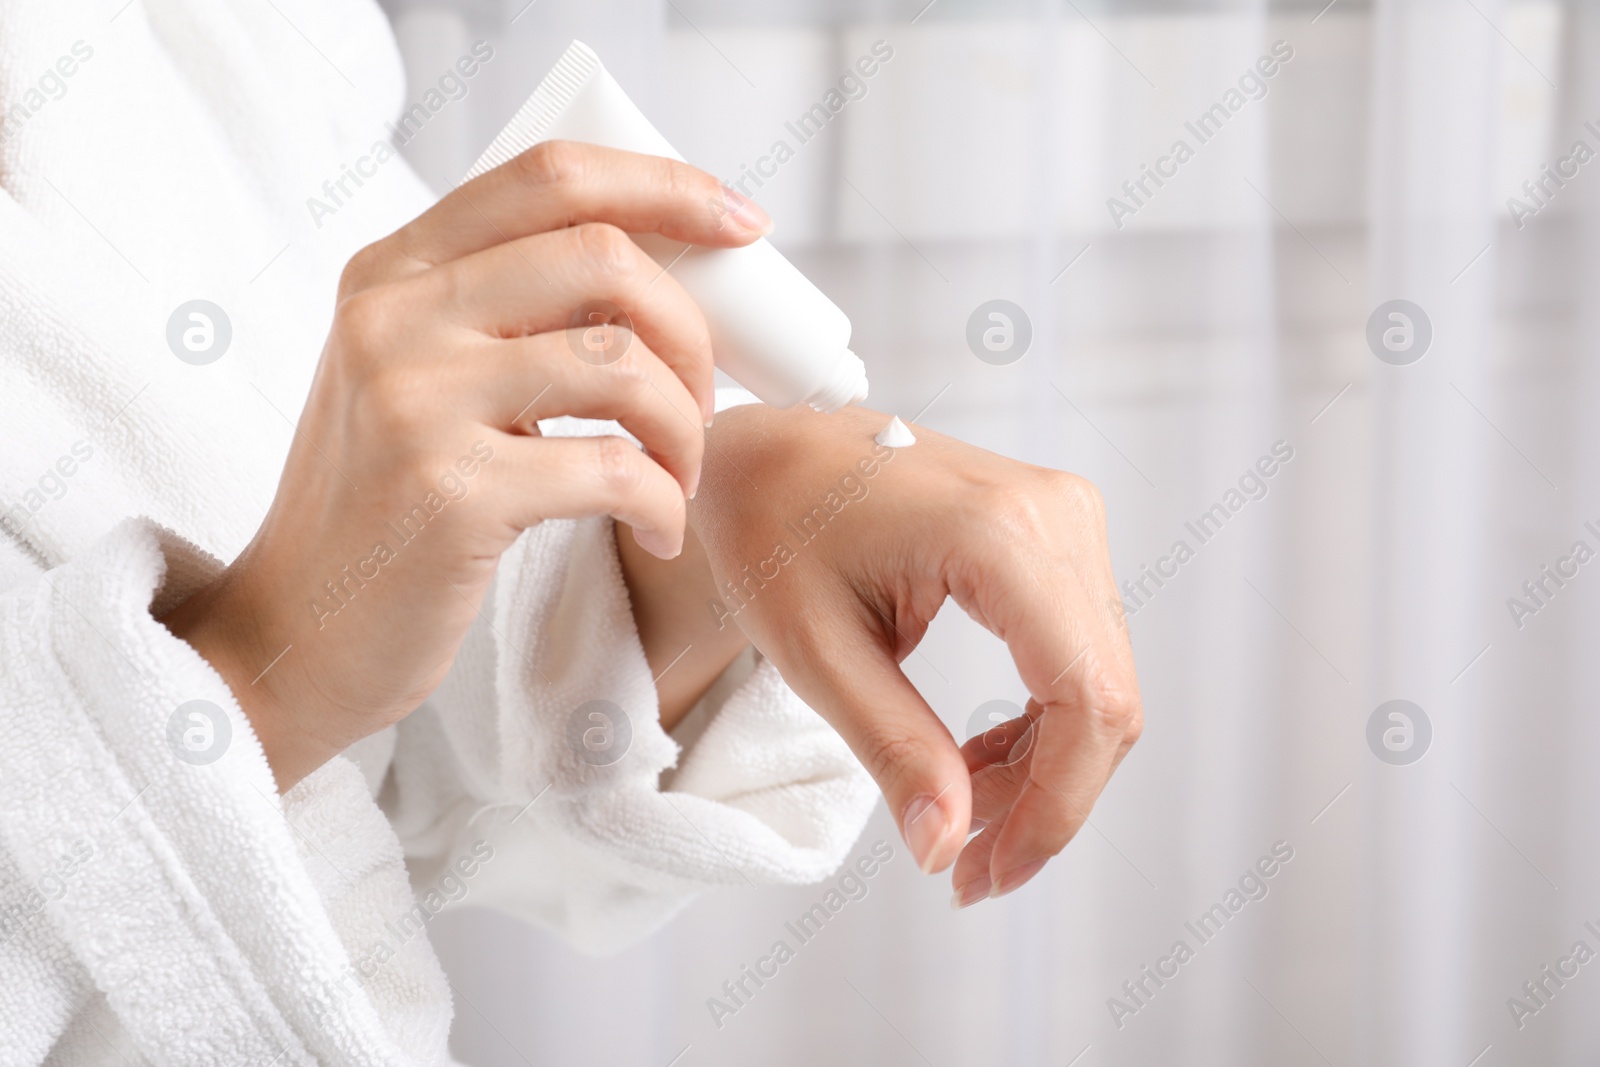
(772, 331)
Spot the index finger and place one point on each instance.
(1078, 675)
(556, 184)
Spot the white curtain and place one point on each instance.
(1228, 312)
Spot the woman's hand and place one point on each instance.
(833, 554)
(417, 459)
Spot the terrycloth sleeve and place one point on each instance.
(544, 748)
(159, 902)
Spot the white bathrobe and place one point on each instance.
(154, 909)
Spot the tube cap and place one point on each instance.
(848, 385)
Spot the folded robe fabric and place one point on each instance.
(159, 907)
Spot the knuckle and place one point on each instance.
(1114, 705)
(390, 394)
(1013, 515)
(361, 270)
(1080, 495)
(606, 248)
(630, 375)
(365, 321)
(1134, 730)
(619, 466)
(889, 756)
(553, 163)
(690, 185)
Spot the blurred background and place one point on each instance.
(1423, 151)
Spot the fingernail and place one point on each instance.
(971, 893)
(1015, 878)
(925, 828)
(746, 212)
(656, 543)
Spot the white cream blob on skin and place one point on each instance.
(896, 435)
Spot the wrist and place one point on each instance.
(218, 622)
(672, 611)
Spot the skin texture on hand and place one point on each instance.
(833, 554)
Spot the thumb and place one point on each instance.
(862, 693)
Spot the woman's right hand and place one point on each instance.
(418, 460)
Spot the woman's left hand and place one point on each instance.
(833, 554)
